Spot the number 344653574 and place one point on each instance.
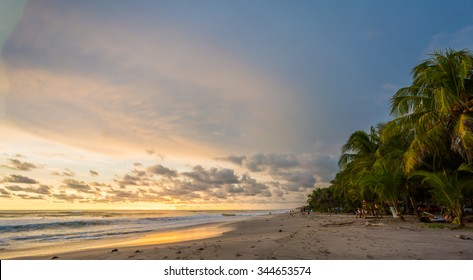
(284, 270)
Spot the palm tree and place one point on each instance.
(321, 199)
(438, 109)
(449, 189)
(360, 147)
(386, 180)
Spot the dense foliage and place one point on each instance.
(424, 154)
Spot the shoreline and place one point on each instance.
(292, 237)
(186, 233)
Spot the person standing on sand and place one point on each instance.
(358, 212)
(376, 210)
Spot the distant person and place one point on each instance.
(376, 210)
(358, 212)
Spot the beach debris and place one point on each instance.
(178, 252)
(252, 246)
(200, 249)
(238, 255)
(138, 251)
(55, 257)
(115, 250)
(280, 230)
(407, 228)
(461, 236)
(337, 224)
(370, 257)
(368, 224)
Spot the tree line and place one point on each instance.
(424, 154)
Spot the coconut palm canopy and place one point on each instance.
(426, 146)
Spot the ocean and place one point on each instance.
(27, 231)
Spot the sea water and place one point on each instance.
(26, 230)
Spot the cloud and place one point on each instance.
(26, 196)
(238, 160)
(63, 196)
(93, 173)
(301, 169)
(19, 179)
(67, 173)
(4, 193)
(174, 90)
(461, 39)
(21, 165)
(79, 186)
(253, 188)
(159, 169)
(271, 162)
(43, 189)
(213, 176)
(136, 178)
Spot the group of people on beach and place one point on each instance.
(364, 211)
(305, 209)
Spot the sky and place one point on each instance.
(201, 104)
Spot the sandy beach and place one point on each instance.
(296, 236)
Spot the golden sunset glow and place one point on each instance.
(154, 105)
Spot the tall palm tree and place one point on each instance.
(438, 109)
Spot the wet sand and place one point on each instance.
(293, 237)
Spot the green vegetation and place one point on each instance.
(424, 153)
